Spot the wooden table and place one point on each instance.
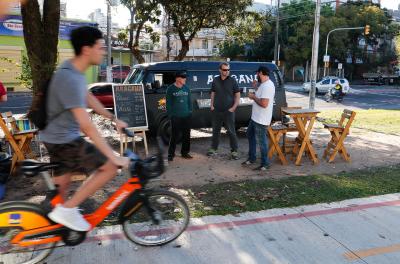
(304, 120)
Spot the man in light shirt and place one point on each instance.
(261, 116)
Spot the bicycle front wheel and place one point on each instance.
(167, 220)
(10, 254)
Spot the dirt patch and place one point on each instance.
(367, 149)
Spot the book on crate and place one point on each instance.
(24, 125)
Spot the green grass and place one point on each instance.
(384, 121)
(236, 197)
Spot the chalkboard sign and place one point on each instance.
(130, 104)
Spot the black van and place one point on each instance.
(156, 77)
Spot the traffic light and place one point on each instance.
(366, 30)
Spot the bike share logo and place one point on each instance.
(117, 200)
(14, 219)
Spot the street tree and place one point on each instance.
(242, 32)
(143, 13)
(382, 32)
(190, 16)
(41, 39)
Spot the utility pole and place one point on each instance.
(314, 59)
(109, 72)
(276, 34)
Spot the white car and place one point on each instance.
(323, 85)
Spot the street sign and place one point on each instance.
(340, 66)
(326, 58)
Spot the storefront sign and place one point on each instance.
(12, 26)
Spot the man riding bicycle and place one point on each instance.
(67, 101)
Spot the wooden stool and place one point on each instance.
(275, 132)
(339, 133)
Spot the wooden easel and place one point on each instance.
(138, 131)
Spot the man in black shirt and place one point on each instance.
(225, 96)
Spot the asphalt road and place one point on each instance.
(360, 97)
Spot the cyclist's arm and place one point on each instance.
(88, 128)
(98, 107)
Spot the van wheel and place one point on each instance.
(164, 131)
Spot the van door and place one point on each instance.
(199, 83)
(156, 84)
(280, 95)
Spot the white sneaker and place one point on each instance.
(69, 217)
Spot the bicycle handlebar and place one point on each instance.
(146, 169)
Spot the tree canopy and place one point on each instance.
(143, 13)
(296, 32)
(189, 16)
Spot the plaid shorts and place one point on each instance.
(77, 156)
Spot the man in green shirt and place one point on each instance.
(179, 110)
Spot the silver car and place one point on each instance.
(323, 85)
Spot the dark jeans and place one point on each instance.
(180, 125)
(257, 132)
(228, 119)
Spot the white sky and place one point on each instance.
(82, 8)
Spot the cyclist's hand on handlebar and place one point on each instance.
(122, 162)
(120, 125)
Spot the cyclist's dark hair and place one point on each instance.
(84, 36)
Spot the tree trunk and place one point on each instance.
(130, 43)
(41, 39)
(183, 51)
(135, 49)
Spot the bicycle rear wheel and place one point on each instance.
(165, 224)
(10, 254)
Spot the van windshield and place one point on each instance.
(136, 76)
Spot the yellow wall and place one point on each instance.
(13, 47)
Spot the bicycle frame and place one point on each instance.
(32, 236)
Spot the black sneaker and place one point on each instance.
(234, 155)
(187, 156)
(247, 162)
(262, 168)
(170, 158)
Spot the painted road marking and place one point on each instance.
(269, 219)
(355, 255)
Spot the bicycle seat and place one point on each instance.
(33, 167)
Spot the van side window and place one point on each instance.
(161, 79)
(136, 76)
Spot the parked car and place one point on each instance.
(156, 77)
(118, 72)
(103, 92)
(326, 83)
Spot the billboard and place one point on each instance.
(11, 25)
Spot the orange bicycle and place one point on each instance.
(148, 217)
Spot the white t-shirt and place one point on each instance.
(264, 115)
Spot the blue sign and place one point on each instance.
(12, 26)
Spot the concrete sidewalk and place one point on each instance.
(353, 231)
